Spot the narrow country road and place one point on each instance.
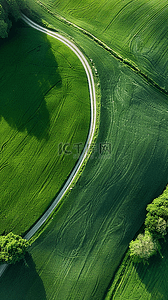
(86, 149)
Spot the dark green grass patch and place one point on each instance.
(23, 282)
(78, 252)
(136, 29)
(44, 101)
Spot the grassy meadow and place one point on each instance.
(80, 249)
(78, 252)
(135, 29)
(44, 103)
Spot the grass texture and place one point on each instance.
(135, 29)
(79, 251)
(44, 102)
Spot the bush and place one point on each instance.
(12, 248)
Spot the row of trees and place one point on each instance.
(9, 12)
(12, 248)
(156, 223)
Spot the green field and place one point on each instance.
(44, 102)
(136, 281)
(136, 29)
(77, 254)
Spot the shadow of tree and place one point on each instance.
(21, 281)
(28, 71)
(155, 275)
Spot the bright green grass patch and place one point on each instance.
(136, 281)
(77, 254)
(136, 29)
(44, 102)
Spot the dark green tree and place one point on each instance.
(9, 11)
(156, 224)
(159, 206)
(12, 248)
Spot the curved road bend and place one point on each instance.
(86, 149)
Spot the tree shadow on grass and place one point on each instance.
(155, 275)
(22, 282)
(28, 71)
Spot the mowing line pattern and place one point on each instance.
(116, 9)
(83, 244)
(87, 147)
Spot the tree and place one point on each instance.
(12, 248)
(156, 224)
(9, 11)
(159, 206)
(161, 227)
(3, 29)
(143, 247)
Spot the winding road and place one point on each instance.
(86, 149)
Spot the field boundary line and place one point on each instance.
(88, 144)
(107, 48)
